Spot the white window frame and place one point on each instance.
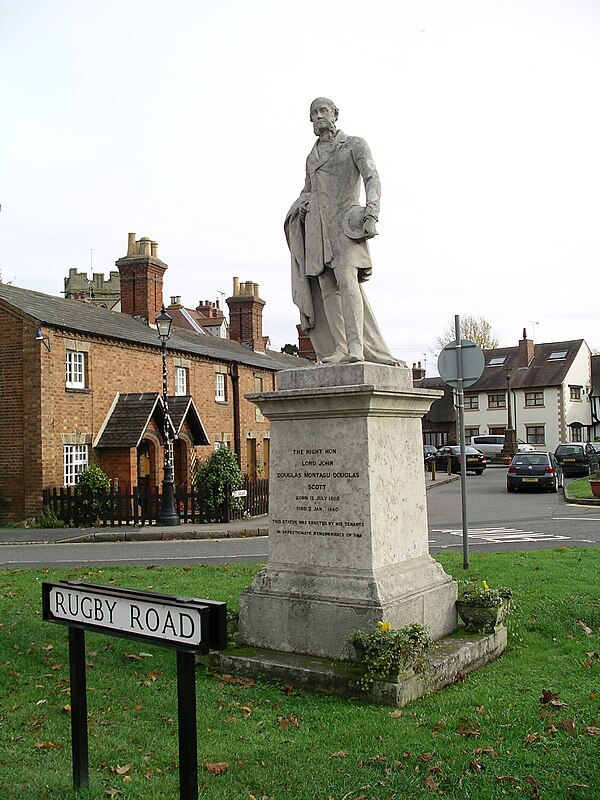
(75, 462)
(220, 388)
(471, 402)
(575, 394)
(499, 400)
(180, 381)
(75, 370)
(532, 397)
(533, 438)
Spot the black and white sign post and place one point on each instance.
(186, 624)
(461, 364)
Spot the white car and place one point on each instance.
(491, 445)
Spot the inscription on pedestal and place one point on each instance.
(317, 487)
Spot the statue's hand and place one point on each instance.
(369, 228)
(303, 209)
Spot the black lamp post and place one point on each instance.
(168, 512)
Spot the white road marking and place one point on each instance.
(501, 535)
(579, 519)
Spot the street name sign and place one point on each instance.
(187, 624)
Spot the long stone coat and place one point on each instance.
(332, 186)
(333, 183)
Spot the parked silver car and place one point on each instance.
(492, 444)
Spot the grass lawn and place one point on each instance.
(525, 727)
(579, 489)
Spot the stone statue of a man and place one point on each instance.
(327, 232)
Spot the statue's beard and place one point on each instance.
(324, 126)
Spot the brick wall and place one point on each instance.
(39, 414)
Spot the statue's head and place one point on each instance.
(323, 115)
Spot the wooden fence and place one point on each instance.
(142, 505)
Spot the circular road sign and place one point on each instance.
(472, 360)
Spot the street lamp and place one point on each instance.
(168, 513)
(510, 434)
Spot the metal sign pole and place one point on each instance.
(460, 391)
(186, 703)
(79, 726)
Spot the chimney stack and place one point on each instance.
(245, 315)
(418, 372)
(526, 351)
(141, 272)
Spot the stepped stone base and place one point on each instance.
(450, 659)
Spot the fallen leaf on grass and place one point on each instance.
(339, 754)
(67, 709)
(217, 768)
(476, 765)
(377, 759)
(551, 698)
(230, 679)
(431, 783)
(592, 731)
(122, 770)
(288, 721)
(568, 724)
(396, 713)
(535, 785)
(112, 792)
(581, 624)
(246, 711)
(506, 778)
(465, 729)
(480, 750)
(532, 737)
(47, 745)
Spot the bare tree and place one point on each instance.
(476, 329)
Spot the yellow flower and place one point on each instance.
(384, 626)
(486, 588)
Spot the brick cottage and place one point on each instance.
(81, 384)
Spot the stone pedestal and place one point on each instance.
(348, 538)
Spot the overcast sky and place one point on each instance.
(187, 121)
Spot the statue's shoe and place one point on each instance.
(336, 358)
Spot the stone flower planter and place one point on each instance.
(482, 619)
